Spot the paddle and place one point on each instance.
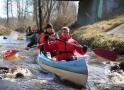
(9, 53)
(106, 54)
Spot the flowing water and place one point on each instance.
(35, 78)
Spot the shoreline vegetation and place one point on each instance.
(95, 35)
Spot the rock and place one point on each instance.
(4, 37)
(115, 68)
(19, 75)
(121, 65)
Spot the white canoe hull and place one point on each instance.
(79, 78)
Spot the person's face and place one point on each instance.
(49, 30)
(65, 33)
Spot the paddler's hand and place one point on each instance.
(46, 37)
(26, 48)
(39, 46)
(85, 47)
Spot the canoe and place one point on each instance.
(31, 37)
(74, 71)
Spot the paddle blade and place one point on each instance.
(9, 53)
(106, 54)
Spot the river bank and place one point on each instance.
(107, 34)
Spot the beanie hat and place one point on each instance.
(49, 26)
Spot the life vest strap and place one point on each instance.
(61, 52)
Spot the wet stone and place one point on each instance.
(19, 75)
(4, 37)
(115, 68)
(4, 70)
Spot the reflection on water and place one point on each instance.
(100, 77)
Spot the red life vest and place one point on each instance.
(41, 39)
(34, 31)
(63, 50)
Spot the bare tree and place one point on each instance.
(59, 13)
(26, 9)
(7, 10)
(18, 9)
(22, 9)
(40, 17)
(64, 14)
(28, 4)
(11, 4)
(50, 5)
(35, 12)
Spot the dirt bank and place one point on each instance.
(117, 31)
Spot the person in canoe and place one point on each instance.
(64, 50)
(33, 41)
(50, 31)
(28, 31)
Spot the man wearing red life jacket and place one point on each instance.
(50, 31)
(64, 50)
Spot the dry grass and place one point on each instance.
(94, 35)
(98, 28)
(4, 30)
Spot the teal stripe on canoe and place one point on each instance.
(77, 66)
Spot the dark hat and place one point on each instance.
(49, 25)
(29, 26)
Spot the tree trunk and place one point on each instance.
(18, 10)
(40, 17)
(35, 11)
(7, 3)
(11, 8)
(26, 9)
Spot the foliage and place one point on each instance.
(59, 13)
(94, 35)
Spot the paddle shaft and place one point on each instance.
(32, 46)
(106, 54)
(37, 45)
(71, 43)
(68, 42)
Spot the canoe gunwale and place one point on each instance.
(74, 75)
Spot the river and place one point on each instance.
(35, 78)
